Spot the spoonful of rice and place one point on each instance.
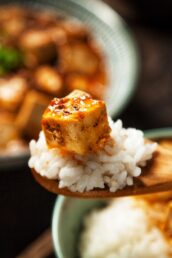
(83, 153)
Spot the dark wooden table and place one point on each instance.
(26, 208)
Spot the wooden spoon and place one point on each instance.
(155, 177)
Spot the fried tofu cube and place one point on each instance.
(14, 27)
(76, 82)
(76, 123)
(29, 117)
(38, 47)
(57, 34)
(78, 57)
(82, 82)
(12, 20)
(75, 30)
(12, 92)
(15, 147)
(49, 80)
(7, 129)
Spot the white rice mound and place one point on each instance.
(121, 230)
(114, 166)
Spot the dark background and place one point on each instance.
(26, 208)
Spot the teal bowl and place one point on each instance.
(69, 212)
(116, 41)
(114, 37)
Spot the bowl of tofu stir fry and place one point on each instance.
(48, 49)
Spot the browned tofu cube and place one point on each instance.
(74, 30)
(57, 34)
(76, 123)
(15, 147)
(28, 119)
(12, 20)
(7, 129)
(38, 47)
(76, 82)
(11, 12)
(78, 57)
(82, 82)
(14, 27)
(12, 92)
(49, 80)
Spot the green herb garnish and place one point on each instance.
(10, 59)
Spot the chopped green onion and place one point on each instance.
(10, 59)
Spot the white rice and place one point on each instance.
(122, 230)
(114, 166)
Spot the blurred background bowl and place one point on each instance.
(69, 212)
(117, 43)
(113, 35)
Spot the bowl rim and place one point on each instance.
(57, 210)
(60, 201)
(159, 133)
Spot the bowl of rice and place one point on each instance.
(128, 227)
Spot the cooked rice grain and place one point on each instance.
(122, 230)
(114, 166)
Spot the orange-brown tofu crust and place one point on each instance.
(48, 80)
(73, 108)
(76, 124)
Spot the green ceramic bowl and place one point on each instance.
(69, 212)
(116, 41)
(114, 37)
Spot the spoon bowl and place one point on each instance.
(155, 177)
